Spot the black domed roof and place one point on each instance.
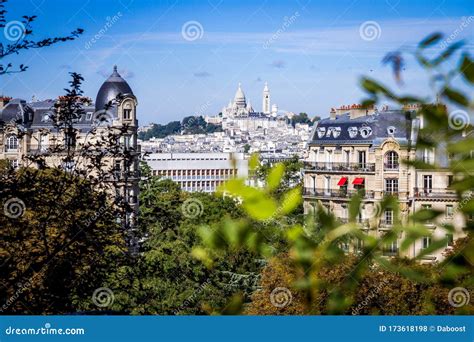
(113, 86)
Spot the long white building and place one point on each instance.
(198, 171)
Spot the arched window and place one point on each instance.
(391, 160)
(12, 143)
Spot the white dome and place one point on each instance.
(239, 95)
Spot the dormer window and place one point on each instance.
(352, 132)
(89, 116)
(321, 131)
(46, 117)
(365, 132)
(391, 130)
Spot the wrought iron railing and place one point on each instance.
(340, 167)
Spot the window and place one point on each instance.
(344, 213)
(327, 185)
(46, 117)
(427, 183)
(426, 242)
(362, 159)
(127, 141)
(89, 116)
(14, 164)
(69, 140)
(391, 248)
(428, 156)
(365, 132)
(426, 207)
(328, 159)
(391, 185)
(347, 155)
(12, 143)
(450, 180)
(391, 160)
(127, 114)
(391, 130)
(449, 211)
(388, 215)
(449, 240)
(43, 142)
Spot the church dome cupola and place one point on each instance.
(239, 98)
(113, 86)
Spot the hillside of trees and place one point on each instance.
(189, 125)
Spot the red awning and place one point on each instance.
(342, 181)
(358, 181)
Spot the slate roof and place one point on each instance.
(34, 115)
(371, 129)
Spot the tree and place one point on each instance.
(59, 239)
(165, 278)
(380, 292)
(19, 33)
(301, 118)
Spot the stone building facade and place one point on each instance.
(27, 129)
(361, 151)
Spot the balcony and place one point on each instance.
(386, 223)
(434, 193)
(361, 221)
(331, 193)
(396, 194)
(340, 167)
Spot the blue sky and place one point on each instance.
(312, 53)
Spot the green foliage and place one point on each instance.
(165, 278)
(189, 125)
(301, 118)
(58, 245)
